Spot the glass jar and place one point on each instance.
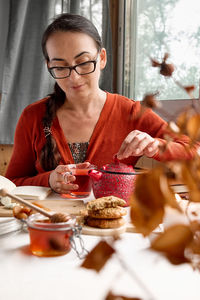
(50, 239)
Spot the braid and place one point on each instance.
(50, 156)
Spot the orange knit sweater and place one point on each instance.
(119, 116)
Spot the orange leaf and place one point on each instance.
(145, 221)
(150, 197)
(155, 63)
(111, 296)
(151, 194)
(173, 241)
(168, 193)
(191, 177)
(193, 127)
(98, 256)
(189, 89)
(150, 101)
(166, 69)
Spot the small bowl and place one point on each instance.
(49, 239)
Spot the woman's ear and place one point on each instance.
(103, 58)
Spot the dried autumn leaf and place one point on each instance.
(155, 63)
(193, 127)
(98, 256)
(195, 226)
(168, 193)
(111, 296)
(189, 89)
(147, 208)
(182, 121)
(165, 69)
(191, 177)
(194, 247)
(188, 122)
(150, 197)
(172, 243)
(145, 223)
(150, 101)
(147, 205)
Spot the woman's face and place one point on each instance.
(66, 49)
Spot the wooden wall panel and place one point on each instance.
(5, 155)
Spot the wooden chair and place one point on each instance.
(5, 155)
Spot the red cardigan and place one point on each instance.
(119, 116)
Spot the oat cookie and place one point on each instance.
(105, 202)
(108, 213)
(105, 223)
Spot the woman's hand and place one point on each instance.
(61, 181)
(138, 143)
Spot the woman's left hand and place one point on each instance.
(138, 143)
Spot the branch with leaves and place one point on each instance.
(179, 243)
(152, 195)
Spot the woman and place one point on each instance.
(80, 122)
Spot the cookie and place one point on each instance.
(108, 213)
(105, 223)
(105, 202)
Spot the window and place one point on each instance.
(153, 28)
(90, 9)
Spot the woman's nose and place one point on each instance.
(74, 75)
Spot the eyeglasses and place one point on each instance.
(81, 69)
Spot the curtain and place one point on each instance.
(25, 78)
(4, 17)
(107, 76)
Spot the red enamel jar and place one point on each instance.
(115, 179)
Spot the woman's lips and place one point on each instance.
(76, 87)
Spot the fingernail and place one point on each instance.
(66, 176)
(137, 151)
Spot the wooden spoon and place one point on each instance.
(54, 217)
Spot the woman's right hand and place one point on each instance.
(61, 181)
(58, 183)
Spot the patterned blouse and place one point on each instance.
(79, 151)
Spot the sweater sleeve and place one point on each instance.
(175, 147)
(22, 167)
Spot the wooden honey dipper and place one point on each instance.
(54, 217)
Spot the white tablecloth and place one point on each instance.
(24, 276)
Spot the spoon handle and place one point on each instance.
(4, 192)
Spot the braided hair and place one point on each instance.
(50, 156)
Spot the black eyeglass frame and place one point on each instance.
(73, 68)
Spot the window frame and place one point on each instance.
(177, 104)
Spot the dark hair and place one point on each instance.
(50, 157)
(74, 23)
